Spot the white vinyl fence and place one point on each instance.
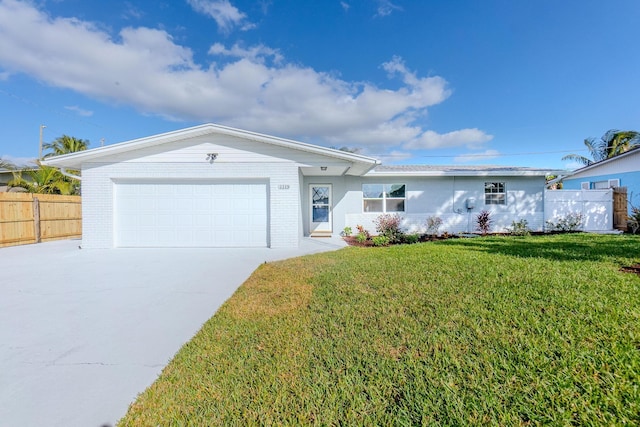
(596, 207)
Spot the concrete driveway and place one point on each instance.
(82, 332)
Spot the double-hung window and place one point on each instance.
(495, 193)
(383, 198)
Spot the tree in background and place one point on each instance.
(5, 164)
(46, 179)
(611, 144)
(65, 145)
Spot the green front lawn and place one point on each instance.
(498, 330)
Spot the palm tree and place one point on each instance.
(611, 144)
(59, 183)
(621, 141)
(65, 145)
(44, 180)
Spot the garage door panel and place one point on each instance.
(190, 214)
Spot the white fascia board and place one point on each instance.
(95, 154)
(604, 162)
(460, 173)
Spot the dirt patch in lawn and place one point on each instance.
(631, 269)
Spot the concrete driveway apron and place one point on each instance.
(83, 332)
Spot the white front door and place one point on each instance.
(320, 198)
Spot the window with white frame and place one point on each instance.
(383, 198)
(604, 185)
(495, 193)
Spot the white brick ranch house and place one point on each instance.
(215, 186)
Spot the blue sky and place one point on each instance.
(423, 82)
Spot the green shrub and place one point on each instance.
(567, 223)
(362, 230)
(380, 240)
(519, 228)
(634, 220)
(347, 231)
(411, 238)
(362, 237)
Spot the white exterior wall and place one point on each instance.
(439, 196)
(596, 207)
(237, 158)
(98, 195)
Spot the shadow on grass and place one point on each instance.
(561, 247)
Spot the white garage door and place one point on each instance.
(190, 214)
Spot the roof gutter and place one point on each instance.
(64, 172)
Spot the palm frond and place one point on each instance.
(44, 180)
(6, 164)
(611, 144)
(578, 158)
(64, 145)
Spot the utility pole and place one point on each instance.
(40, 152)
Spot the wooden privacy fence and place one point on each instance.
(32, 218)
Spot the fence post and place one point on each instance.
(36, 219)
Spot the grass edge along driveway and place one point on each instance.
(498, 330)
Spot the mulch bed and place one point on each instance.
(631, 269)
(352, 240)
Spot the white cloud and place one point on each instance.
(4, 75)
(146, 69)
(226, 15)
(386, 7)
(131, 12)
(477, 157)
(394, 156)
(471, 138)
(256, 53)
(346, 6)
(79, 111)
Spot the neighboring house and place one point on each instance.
(5, 177)
(215, 186)
(622, 170)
